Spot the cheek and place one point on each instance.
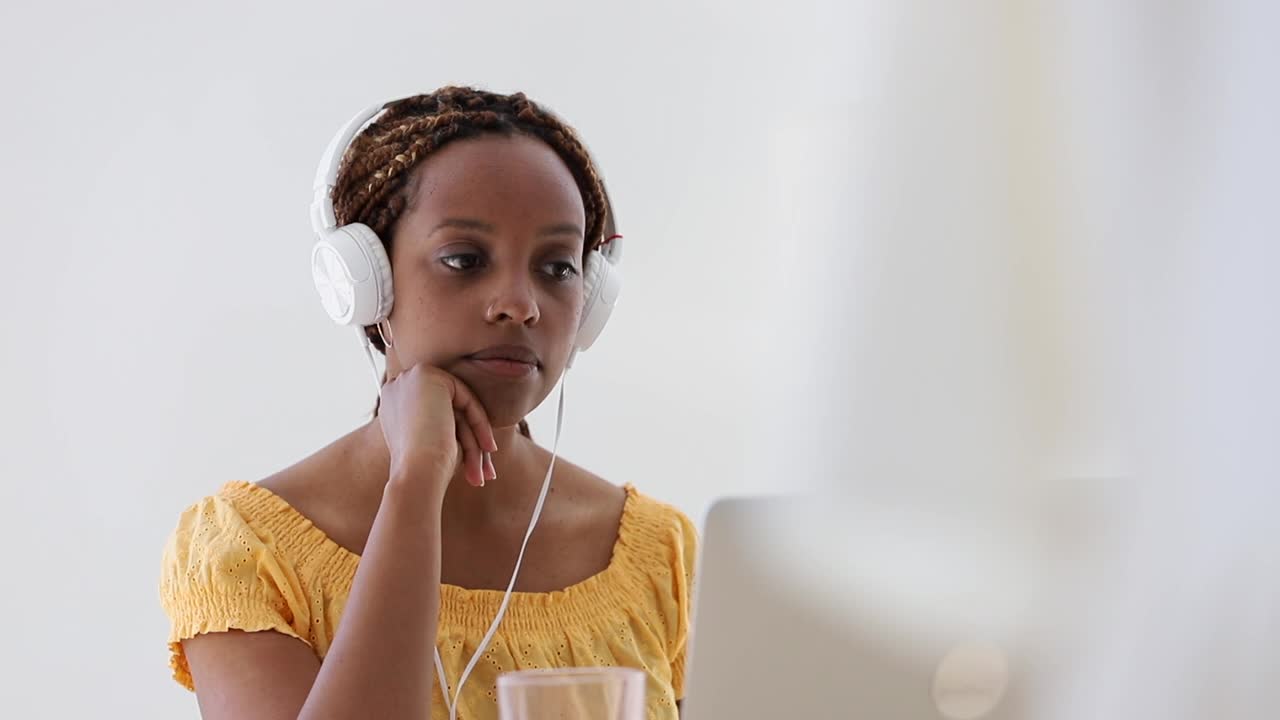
(420, 293)
(416, 301)
(421, 317)
(570, 309)
(558, 328)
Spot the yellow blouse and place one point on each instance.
(245, 559)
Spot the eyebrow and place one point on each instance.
(484, 227)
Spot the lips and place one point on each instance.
(506, 362)
(508, 353)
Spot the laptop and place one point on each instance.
(894, 609)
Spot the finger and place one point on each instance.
(466, 402)
(472, 460)
(466, 449)
(488, 464)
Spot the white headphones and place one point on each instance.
(352, 273)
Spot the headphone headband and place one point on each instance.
(323, 217)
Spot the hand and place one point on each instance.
(431, 420)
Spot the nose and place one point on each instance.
(513, 301)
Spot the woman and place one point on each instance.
(325, 590)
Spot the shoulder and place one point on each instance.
(667, 524)
(209, 526)
(581, 519)
(220, 571)
(243, 524)
(662, 548)
(631, 514)
(220, 541)
(589, 497)
(220, 559)
(332, 491)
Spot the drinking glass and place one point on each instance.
(610, 693)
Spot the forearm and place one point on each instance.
(380, 663)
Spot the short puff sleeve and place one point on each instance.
(218, 574)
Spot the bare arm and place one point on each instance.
(380, 663)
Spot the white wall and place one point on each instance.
(164, 335)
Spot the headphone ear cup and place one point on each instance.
(602, 283)
(352, 275)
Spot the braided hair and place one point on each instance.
(376, 181)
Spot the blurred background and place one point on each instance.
(910, 249)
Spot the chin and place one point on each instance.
(504, 410)
(507, 401)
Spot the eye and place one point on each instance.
(561, 271)
(461, 262)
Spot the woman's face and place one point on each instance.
(486, 267)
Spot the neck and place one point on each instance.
(520, 464)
